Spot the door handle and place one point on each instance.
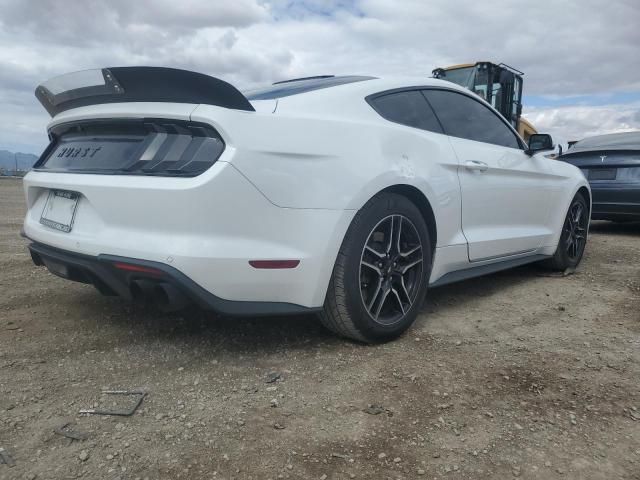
(476, 165)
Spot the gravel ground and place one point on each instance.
(518, 374)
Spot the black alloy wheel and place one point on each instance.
(573, 238)
(575, 230)
(391, 268)
(381, 274)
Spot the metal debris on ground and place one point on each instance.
(72, 435)
(272, 377)
(121, 413)
(5, 458)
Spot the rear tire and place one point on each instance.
(574, 236)
(380, 277)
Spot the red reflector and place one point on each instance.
(274, 263)
(129, 267)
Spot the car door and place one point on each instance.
(506, 194)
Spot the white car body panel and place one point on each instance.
(109, 222)
(292, 177)
(505, 208)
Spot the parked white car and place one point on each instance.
(346, 196)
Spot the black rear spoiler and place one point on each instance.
(137, 84)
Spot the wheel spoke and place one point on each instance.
(372, 267)
(374, 251)
(411, 251)
(409, 266)
(383, 299)
(569, 243)
(578, 214)
(404, 291)
(375, 295)
(395, 293)
(391, 230)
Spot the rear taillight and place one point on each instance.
(132, 147)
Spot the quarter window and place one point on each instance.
(465, 117)
(407, 108)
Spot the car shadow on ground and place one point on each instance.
(270, 334)
(460, 293)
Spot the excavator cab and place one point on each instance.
(500, 85)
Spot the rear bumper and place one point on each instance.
(101, 271)
(616, 202)
(209, 228)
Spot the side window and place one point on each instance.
(408, 108)
(464, 117)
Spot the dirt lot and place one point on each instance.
(514, 375)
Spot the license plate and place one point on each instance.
(603, 173)
(60, 210)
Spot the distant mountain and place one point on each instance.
(8, 161)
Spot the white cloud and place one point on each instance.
(576, 47)
(577, 122)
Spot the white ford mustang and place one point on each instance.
(346, 196)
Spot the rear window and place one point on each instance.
(407, 108)
(303, 85)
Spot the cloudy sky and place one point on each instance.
(581, 57)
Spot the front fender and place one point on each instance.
(574, 182)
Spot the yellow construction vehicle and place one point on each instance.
(500, 85)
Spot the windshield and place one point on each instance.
(461, 76)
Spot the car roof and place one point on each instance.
(347, 99)
(612, 141)
(305, 85)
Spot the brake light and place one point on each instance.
(132, 147)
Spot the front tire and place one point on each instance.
(381, 274)
(574, 236)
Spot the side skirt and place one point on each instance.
(467, 273)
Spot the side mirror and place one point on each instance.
(539, 142)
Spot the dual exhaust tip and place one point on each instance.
(166, 296)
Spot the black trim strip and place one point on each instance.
(480, 270)
(101, 268)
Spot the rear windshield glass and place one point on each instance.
(294, 87)
(618, 141)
